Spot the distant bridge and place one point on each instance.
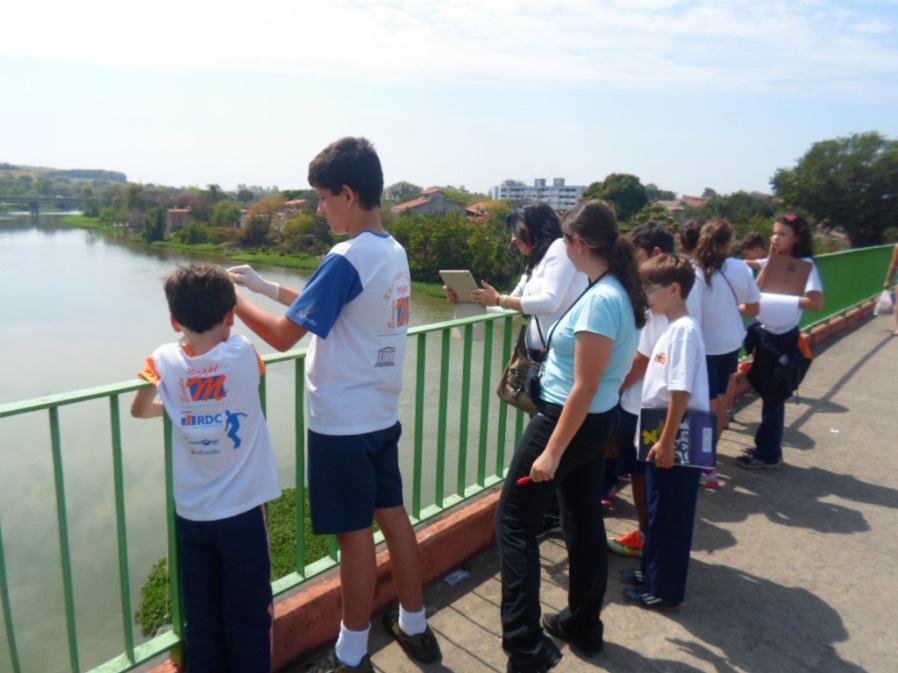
(33, 203)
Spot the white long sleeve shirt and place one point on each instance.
(553, 285)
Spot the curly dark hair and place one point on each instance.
(543, 229)
(804, 237)
(689, 234)
(713, 246)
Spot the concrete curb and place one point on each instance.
(310, 618)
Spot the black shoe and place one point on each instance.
(631, 576)
(647, 600)
(589, 647)
(548, 657)
(330, 664)
(422, 647)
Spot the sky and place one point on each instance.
(686, 95)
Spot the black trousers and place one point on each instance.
(226, 584)
(578, 480)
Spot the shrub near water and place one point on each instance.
(154, 611)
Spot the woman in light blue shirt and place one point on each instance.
(591, 349)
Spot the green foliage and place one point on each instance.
(622, 190)
(655, 193)
(453, 241)
(154, 611)
(850, 182)
(400, 192)
(225, 214)
(744, 210)
(110, 216)
(307, 233)
(154, 230)
(654, 212)
(259, 220)
(193, 233)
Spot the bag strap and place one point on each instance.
(588, 288)
(724, 276)
(540, 332)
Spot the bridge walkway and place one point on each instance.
(792, 570)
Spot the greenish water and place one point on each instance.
(79, 310)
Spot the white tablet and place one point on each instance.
(461, 282)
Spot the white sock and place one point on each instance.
(352, 646)
(412, 623)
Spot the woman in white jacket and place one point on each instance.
(550, 283)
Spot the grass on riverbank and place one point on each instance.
(237, 255)
(155, 604)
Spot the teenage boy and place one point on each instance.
(224, 472)
(676, 379)
(649, 240)
(356, 305)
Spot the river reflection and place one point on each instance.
(80, 310)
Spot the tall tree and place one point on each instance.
(622, 190)
(850, 182)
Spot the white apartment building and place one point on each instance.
(558, 195)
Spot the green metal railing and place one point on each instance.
(849, 278)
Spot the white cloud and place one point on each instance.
(646, 44)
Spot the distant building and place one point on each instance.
(432, 201)
(677, 207)
(558, 195)
(176, 219)
(289, 210)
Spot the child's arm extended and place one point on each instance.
(145, 404)
(663, 450)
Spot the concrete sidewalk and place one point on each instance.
(792, 570)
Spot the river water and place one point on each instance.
(81, 310)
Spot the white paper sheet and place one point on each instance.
(779, 312)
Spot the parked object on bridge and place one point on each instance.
(885, 303)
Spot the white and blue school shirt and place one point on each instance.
(606, 310)
(356, 305)
(222, 457)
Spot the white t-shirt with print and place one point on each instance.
(655, 326)
(677, 363)
(222, 457)
(780, 313)
(721, 322)
(356, 305)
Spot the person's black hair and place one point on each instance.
(651, 235)
(804, 238)
(200, 296)
(350, 162)
(595, 222)
(543, 229)
(713, 246)
(689, 234)
(667, 269)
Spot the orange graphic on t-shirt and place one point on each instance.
(661, 358)
(211, 388)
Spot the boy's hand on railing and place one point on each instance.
(249, 278)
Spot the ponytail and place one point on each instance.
(624, 267)
(713, 247)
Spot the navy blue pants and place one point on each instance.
(769, 436)
(671, 496)
(226, 584)
(518, 521)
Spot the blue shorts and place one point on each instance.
(626, 461)
(720, 369)
(350, 476)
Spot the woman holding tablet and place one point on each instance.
(562, 451)
(550, 283)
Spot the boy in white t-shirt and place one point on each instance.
(356, 305)
(649, 240)
(224, 471)
(676, 379)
